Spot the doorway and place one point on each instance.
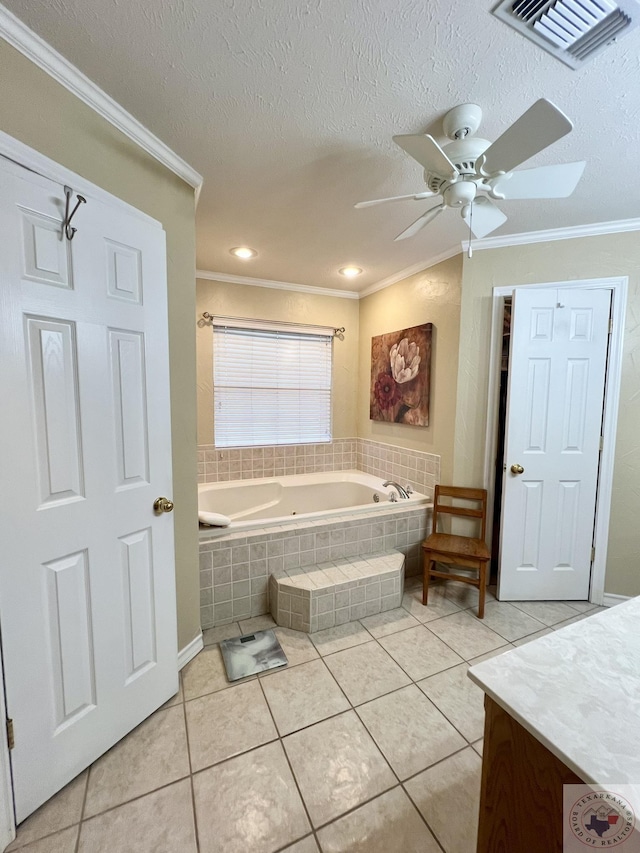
(499, 454)
(617, 287)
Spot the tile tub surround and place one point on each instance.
(247, 463)
(235, 567)
(317, 597)
(421, 470)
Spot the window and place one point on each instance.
(271, 384)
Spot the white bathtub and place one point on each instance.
(260, 502)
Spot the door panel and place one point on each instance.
(531, 514)
(139, 610)
(52, 378)
(124, 272)
(68, 613)
(45, 256)
(126, 351)
(87, 583)
(538, 404)
(554, 413)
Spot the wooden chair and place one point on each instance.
(457, 550)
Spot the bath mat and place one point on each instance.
(252, 653)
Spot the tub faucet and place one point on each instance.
(400, 489)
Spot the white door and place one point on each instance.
(87, 586)
(557, 365)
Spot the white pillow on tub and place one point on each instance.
(213, 519)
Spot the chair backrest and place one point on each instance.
(461, 494)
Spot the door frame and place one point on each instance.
(618, 286)
(21, 154)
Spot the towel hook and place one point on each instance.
(68, 230)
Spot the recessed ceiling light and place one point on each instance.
(350, 272)
(243, 252)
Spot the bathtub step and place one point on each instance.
(328, 594)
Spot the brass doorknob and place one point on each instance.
(517, 469)
(162, 505)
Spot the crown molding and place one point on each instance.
(16, 156)
(595, 229)
(17, 34)
(405, 273)
(275, 285)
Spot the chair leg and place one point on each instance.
(482, 589)
(427, 561)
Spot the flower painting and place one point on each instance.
(400, 376)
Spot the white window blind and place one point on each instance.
(270, 386)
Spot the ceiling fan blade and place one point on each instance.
(420, 222)
(541, 126)
(428, 153)
(544, 182)
(415, 197)
(486, 217)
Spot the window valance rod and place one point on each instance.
(247, 323)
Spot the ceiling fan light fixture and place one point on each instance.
(245, 253)
(480, 165)
(460, 194)
(350, 271)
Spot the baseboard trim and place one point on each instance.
(190, 650)
(609, 599)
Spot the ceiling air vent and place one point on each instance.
(574, 31)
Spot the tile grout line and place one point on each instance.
(451, 723)
(422, 817)
(457, 663)
(355, 808)
(426, 625)
(84, 819)
(82, 808)
(193, 795)
(310, 725)
(400, 782)
(112, 808)
(333, 716)
(431, 702)
(291, 770)
(468, 743)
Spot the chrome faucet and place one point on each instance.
(400, 489)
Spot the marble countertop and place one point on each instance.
(578, 692)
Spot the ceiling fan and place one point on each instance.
(468, 172)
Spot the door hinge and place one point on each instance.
(11, 741)
(593, 554)
(610, 325)
(601, 442)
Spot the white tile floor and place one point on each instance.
(368, 742)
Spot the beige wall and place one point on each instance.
(45, 116)
(262, 303)
(431, 296)
(589, 257)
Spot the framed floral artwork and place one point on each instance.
(400, 376)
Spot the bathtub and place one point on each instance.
(262, 502)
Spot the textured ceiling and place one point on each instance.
(288, 108)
